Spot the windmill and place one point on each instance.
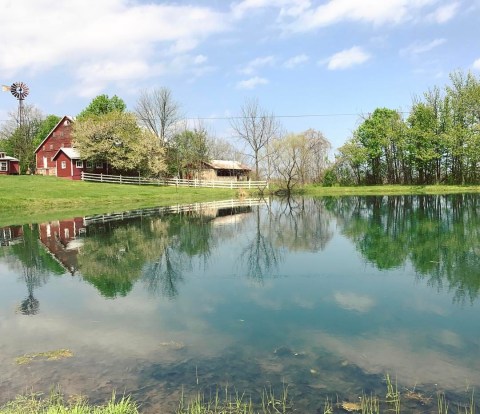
(20, 91)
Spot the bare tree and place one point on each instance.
(159, 112)
(314, 159)
(256, 127)
(221, 149)
(19, 141)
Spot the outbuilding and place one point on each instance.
(9, 165)
(68, 163)
(223, 170)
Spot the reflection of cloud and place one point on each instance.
(449, 338)
(398, 353)
(354, 301)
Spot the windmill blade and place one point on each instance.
(19, 90)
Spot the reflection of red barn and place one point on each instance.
(10, 235)
(61, 238)
(9, 165)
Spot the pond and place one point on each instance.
(326, 296)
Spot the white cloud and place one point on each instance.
(114, 37)
(295, 61)
(252, 83)
(255, 64)
(476, 64)
(347, 58)
(367, 11)
(418, 47)
(444, 13)
(287, 7)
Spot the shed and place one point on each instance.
(224, 170)
(9, 165)
(68, 163)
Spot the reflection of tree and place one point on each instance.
(302, 225)
(112, 261)
(260, 255)
(35, 265)
(162, 276)
(437, 234)
(156, 250)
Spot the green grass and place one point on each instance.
(227, 401)
(27, 199)
(315, 190)
(55, 404)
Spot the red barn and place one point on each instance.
(59, 137)
(9, 165)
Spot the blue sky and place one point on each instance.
(337, 59)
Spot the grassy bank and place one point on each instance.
(27, 199)
(315, 190)
(55, 404)
(231, 402)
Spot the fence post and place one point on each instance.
(101, 177)
(120, 178)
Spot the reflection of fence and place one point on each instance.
(184, 208)
(120, 179)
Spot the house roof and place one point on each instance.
(7, 158)
(227, 165)
(66, 117)
(71, 153)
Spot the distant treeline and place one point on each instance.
(437, 142)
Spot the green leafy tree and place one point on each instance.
(116, 138)
(186, 152)
(102, 105)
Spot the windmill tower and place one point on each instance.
(20, 91)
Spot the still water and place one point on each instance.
(325, 295)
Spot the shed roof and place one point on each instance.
(8, 158)
(227, 165)
(71, 153)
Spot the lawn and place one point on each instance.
(27, 199)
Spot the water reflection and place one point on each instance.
(324, 294)
(438, 235)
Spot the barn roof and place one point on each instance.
(71, 153)
(64, 118)
(227, 165)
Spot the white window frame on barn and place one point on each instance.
(89, 164)
(3, 166)
(79, 163)
(64, 165)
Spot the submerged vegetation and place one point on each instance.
(48, 355)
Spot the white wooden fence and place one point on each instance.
(180, 208)
(121, 179)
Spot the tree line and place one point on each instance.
(155, 139)
(437, 142)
